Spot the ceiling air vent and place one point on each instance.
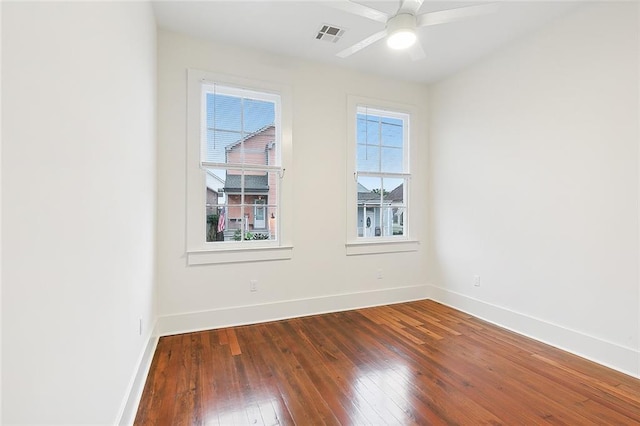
(329, 33)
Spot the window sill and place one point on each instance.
(238, 255)
(380, 247)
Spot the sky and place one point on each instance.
(379, 138)
(233, 118)
(379, 149)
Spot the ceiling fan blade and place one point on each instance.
(358, 9)
(452, 15)
(362, 44)
(417, 52)
(410, 6)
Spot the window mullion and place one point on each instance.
(379, 144)
(242, 135)
(381, 209)
(242, 207)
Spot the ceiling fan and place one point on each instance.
(401, 28)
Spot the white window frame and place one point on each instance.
(383, 244)
(199, 251)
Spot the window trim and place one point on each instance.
(355, 245)
(198, 250)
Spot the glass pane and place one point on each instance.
(369, 190)
(260, 209)
(372, 130)
(216, 205)
(217, 143)
(255, 183)
(257, 149)
(240, 130)
(397, 221)
(369, 221)
(246, 201)
(235, 212)
(392, 221)
(380, 144)
(257, 115)
(369, 200)
(272, 218)
(392, 134)
(380, 207)
(223, 112)
(368, 129)
(392, 161)
(361, 133)
(368, 158)
(393, 190)
(258, 223)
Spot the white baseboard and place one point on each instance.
(617, 357)
(253, 314)
(131, 401)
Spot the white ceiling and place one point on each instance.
(289, 28)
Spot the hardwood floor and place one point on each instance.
(412, 363)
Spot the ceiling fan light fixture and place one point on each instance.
(401, 31)
(401, 39)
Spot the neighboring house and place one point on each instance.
(396, 197)
(215, 198)
(258, 148)
(370, 209)
(215, 193)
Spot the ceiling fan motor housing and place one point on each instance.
(401, 31)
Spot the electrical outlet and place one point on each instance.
(379, 274)
(476, 280)
(253, 285)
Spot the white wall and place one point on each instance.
(320, 277)
(78, 185)
(534, 185)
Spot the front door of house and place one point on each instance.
(259, 214)
(369, 223)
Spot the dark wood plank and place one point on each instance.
(208, 390)
(233, 342)
(412, 363)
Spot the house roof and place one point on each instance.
(396, 194)
(249, 136)
(362, 188)
(368, 196)
(252, 183)
(365, 194)
(214, 182)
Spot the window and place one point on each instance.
(379, 201)
(382, 173)
(236, 146)
(241, 157)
